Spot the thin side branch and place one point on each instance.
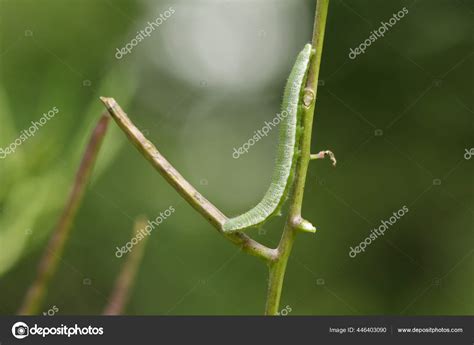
(324, 154)
(49, 261)
(126, 278)
(182, 186)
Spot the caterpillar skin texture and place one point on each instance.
(286, 155)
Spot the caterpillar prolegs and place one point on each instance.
(286, 158)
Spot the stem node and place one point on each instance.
(308, 97)
(304, 226)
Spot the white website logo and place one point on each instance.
(20, 330)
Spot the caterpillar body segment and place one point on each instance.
(287, 152)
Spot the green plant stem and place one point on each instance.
(49, 261)
(182, 186)
(126, 278)
(277, 267)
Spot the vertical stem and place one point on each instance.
(49, 261)
(277, 270)
(277, 267)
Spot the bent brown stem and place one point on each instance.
(182, 186)
(49, 261)
(278, 266)
(125, 280)
(174, 178)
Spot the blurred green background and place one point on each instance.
(399, 119)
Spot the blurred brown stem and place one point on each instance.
(125, 280)
(49, 261)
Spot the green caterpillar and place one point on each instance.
(283, 173)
